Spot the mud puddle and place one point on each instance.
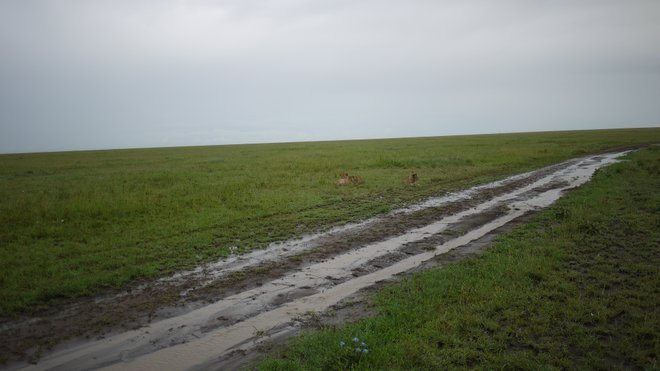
(260, 295)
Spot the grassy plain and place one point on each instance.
(577, 288)
(75, 223)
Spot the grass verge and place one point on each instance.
(76, 223)
(576, 288)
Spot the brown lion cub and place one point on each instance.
(355, 179)
(411, 179)
(343, 179)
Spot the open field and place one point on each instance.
(73, 224)
(575, 288)
(219, 314)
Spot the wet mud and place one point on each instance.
(352, 308)
(220, 315)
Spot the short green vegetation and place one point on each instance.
(74, 223)
(575, 289)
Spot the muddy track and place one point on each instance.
(199, 317)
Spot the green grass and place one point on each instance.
(75, 223)
(577, 288)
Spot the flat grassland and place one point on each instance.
(75, 223)
(576, 288)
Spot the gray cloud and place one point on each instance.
(107, 74)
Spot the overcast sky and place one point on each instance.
(138, 73)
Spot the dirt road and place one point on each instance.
(208, 317)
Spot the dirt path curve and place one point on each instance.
(265, 291)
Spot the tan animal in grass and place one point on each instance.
(344, 179)
(355, 179)
(411, 179)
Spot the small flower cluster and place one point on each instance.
(360, 346)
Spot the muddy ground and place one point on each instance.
(239, 281)
(356, 306)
